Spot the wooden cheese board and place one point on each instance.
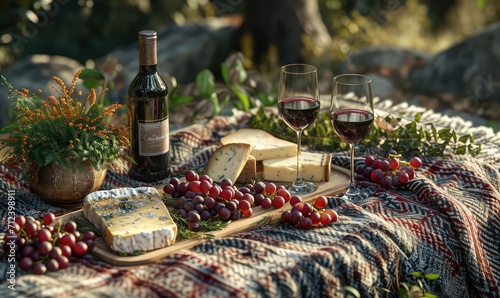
(339, 180)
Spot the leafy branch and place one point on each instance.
(413, 138)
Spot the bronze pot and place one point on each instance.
(65, 187)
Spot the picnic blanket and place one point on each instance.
(446, 221)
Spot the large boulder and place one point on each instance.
(35, 72)
(469, 69)
(388, 67)
(183, 51)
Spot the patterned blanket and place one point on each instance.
(446, 221)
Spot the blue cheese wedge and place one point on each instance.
(228, 161)
(264, 145)
(315, 167)
(131, 219)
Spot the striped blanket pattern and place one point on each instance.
(446, 221)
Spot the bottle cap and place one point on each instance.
(147, 47)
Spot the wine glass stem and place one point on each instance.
(298, 178)
(352, 184)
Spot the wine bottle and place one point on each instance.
(148, 115)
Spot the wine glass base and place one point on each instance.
(302, 188)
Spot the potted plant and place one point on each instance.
(64, 143)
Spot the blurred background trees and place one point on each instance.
(88, 29)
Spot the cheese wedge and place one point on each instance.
(131, 219)
(249, 172)
(264, 145)
(228, 161)
(315, 167)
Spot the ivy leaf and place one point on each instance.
(215, 102)
(418, 117)
(224, 70)
(461, 150)
(176, 101)
(463, 138)
(431, 276)
(244, 100)
(206, 84)
(92, 78)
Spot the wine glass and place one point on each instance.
(298, 105)
(351, 115)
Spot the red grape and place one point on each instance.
(285, 216)
(315, 218)
(191, 176)
(244, 205)
(39, 268)
(70, 226)
(224, 213)
(332, 213)
(48, 218)
(44, 247)
(270, 188)
(369, 159)
(325, 218)
(52, 265)
(266, 203)
(20, 220)
(247, 213)
(295, 217)
(394, 163)
(44, 235)
(80, 248)
(415, 162)
(284, 193)
(295, 200)
(169, 189)
(25, 263)
(320, 202)
(278, 202)
(305, 223)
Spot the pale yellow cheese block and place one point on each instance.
(315, 167)
(131, 219)
(228, 161)
(264, 145)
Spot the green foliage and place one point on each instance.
(233, 92)
(61, 130)
(411, 139)
(183, 232)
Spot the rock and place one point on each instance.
(469, 69)
(383, 87)
(183, 51)
(386, 60)
(387, 66)
(35, 72)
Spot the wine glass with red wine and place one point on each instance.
(351, 115)
(298, 105)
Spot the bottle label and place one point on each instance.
(154, 137)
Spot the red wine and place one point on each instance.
(351, 125)
(148, 116)
(299, 112)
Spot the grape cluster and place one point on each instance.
(41, 246)
(199, 198)
(390, 172)
(306, 215)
